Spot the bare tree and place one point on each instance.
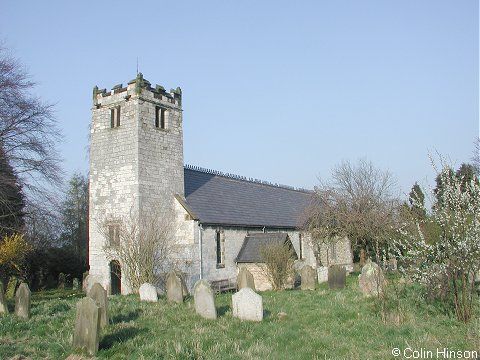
(28, 131)
(357, 203)
(144, 245)
(43, 224)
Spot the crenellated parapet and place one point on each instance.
(141, 88)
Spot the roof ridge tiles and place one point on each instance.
(243, 178)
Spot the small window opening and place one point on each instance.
(115, 117)
(160, 116)
(114, 234)
(220, 248)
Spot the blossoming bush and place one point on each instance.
(13, 251)
(453, 256)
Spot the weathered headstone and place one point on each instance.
(90, 280)
(322, 274)
(174, 288)
(61, 281)
(371, 281)
(87, 326)
(148, 292)
(247, 305)
(22, 301)
(11, 287)
(99, 294)
(245, 279)
(76, 284)
(337, 277)
(3, 301)
(204, 300)
(308, 278)
(84, 281)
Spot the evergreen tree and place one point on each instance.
(417, 202)
(465, 174)
(75, 218)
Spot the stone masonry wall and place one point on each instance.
(135, 167)
(234, 238)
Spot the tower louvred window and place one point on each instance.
(115, 117)
(160, 115)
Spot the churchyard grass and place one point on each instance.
(331, 324)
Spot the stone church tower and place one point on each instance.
(136, 164)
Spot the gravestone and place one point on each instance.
(11, 287)
(308, 278)
(148, 292)
(204, 300)
(371, 281)
(245, 279)
(247, 305)
(337, 277)
(84, 281)
(3, 301)
(322, 274)
(76, 284)
(87, 326)
(99, 294)
(90, 280)
(174, 288)
(61, 281)
(22, 301)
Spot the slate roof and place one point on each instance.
(218, 199)
(250, 251)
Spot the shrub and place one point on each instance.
(453, 256)
(278, 259)
(13, 252)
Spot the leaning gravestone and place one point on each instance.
(204, 300)
(247, 305)
(337, 277)
(87, 326)
(75, 284)
(308, 278)
(3, 301)
(371, 281)
(99, 294)
(11, 287)
(148, 292)
(22, 301)
(322, 274)
(245, 279)
(174, 288)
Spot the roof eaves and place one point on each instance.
(250, 225)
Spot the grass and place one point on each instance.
(321, 324)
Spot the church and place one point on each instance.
(220, 220)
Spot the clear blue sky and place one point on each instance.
(276, 90)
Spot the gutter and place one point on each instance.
(200, 243)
